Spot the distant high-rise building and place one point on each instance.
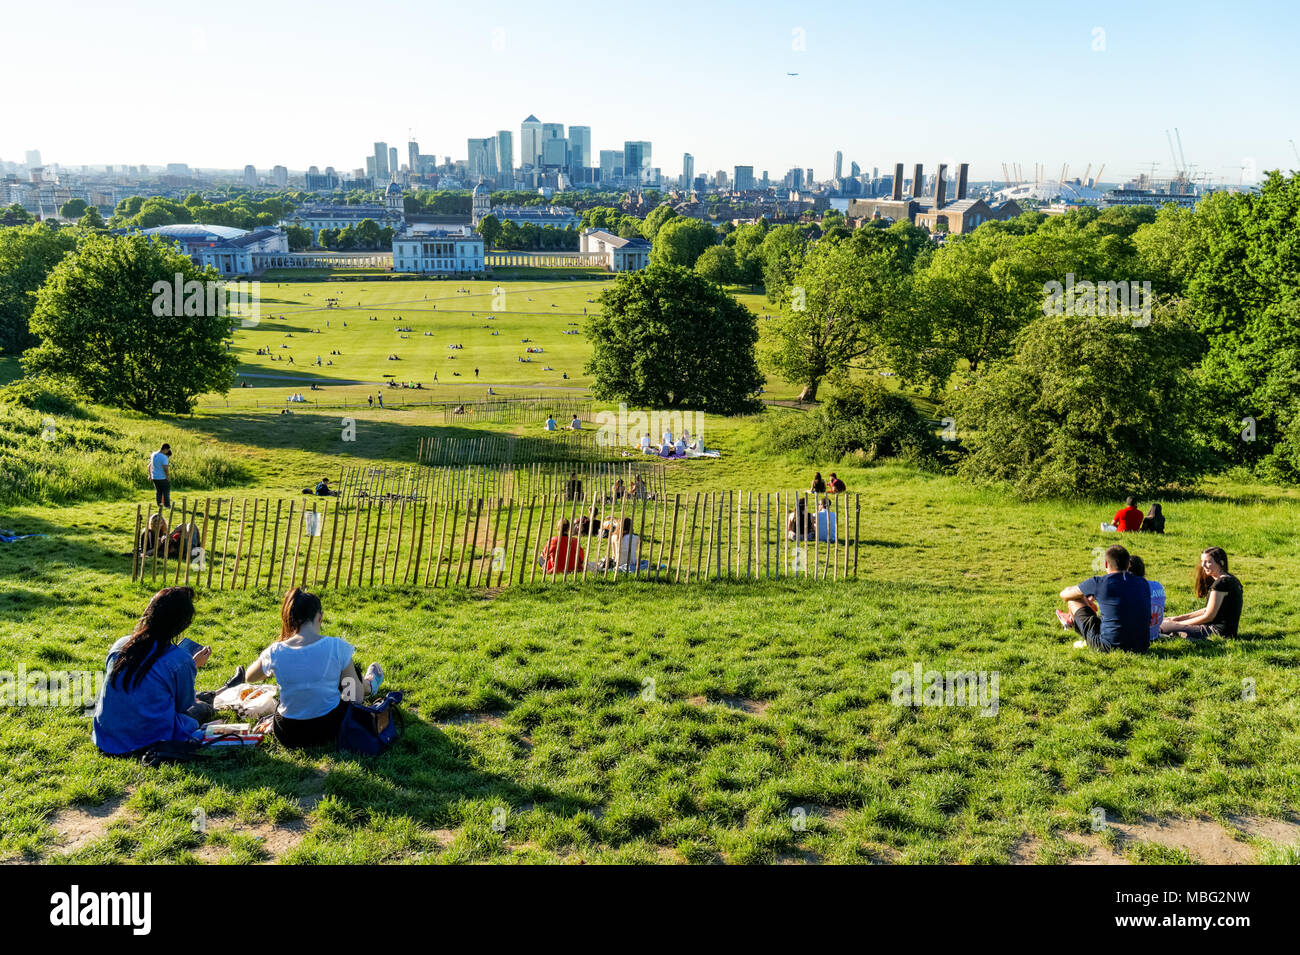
(552, 131)
(636, 159)
(506, 157)
(530, 142)
(250, 177)
(380, 170)
(481, 158)
(743, 179)
(280, 177)
(33, 158)
(579, 150)
(839, 164)
(555, 152)
(413, 157)
(178, 169)
(392, 161)
(688, 170)
(611, 165)
(720, 179)
(808, 177)
(794, 179)
(370, 167)
(855, 170)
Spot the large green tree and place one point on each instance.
(109, 319)
(489, 227)
(681, 241)
(667, 337)
(655, 220)
(27, 255)
(843, 303)
(1088, 406)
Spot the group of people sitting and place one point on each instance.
(1129, 518)
(1123, 610)
(564, 553)
(680, 447)
(157, 538)
(821, 486)
(801, 525)
(637, 492)
(148, 695)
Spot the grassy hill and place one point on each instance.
(629, 721)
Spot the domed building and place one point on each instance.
(480, 203)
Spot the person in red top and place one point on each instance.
(1128, 517)
(562, 552)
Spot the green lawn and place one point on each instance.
(636, 722)
(629, 721)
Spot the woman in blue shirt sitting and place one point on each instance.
(148, 692)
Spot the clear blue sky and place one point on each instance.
(299, 84)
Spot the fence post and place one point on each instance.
(136, 552)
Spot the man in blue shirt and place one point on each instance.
(1110, 612)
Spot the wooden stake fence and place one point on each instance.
(493, 541)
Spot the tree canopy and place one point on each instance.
(109, 320)
(667, 337)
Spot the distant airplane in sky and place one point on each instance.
(792, 74)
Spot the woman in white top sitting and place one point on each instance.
(316, 675)
(627, 547)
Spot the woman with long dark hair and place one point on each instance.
(148, 692)
(315, 673)
(1223, 596)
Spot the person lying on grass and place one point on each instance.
(148, 692)
(1223, 596)
(1110, 611)
(316, 675)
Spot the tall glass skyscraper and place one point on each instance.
(579, 149)
(530, 142)
(506, 156)
(381, 162)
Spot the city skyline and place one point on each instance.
(1037, 86)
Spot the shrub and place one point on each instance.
(865, 420)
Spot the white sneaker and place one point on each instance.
(1080, 644)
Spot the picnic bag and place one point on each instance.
(371, 729)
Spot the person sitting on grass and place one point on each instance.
(562, 553)
(1223, 595)
(550, 423)
(799, 524)
(323, 488)
(1154, 522)
(627, 548)
(826, 521)
(645, 443)
(1138, 568)
(1128, 518)
(148, 692)
(1110, 611)
(315, 673)
(818, 485)
(619, 489)
(836, 485)
(575, 424)
(154, 537)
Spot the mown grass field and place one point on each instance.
(634, 722)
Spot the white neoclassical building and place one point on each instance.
(619, 254)
(423, 248)
(227, 249)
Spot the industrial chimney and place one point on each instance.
(898, 182)
(918, 180)
(962, 171)
(941, 187)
